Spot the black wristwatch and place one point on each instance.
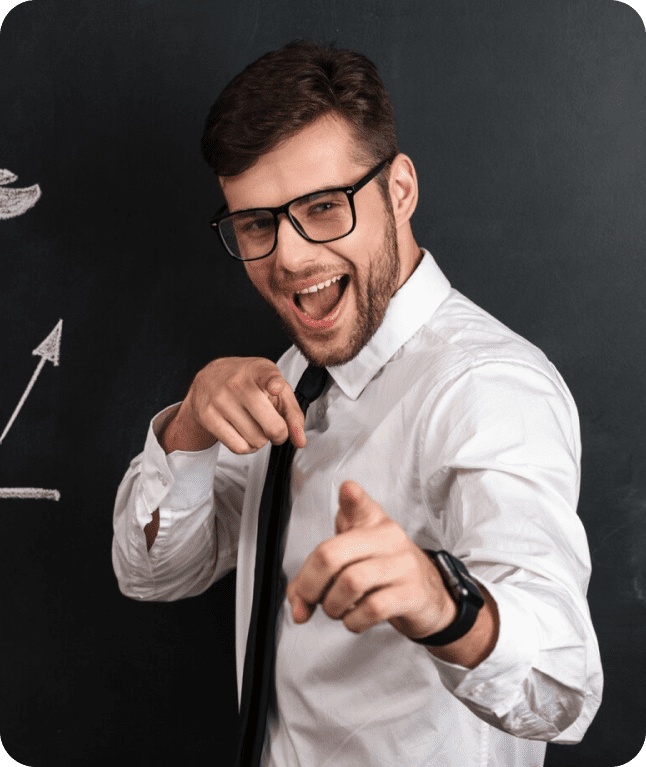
(464, 591)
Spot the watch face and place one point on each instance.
(448, 574)
(458, 581)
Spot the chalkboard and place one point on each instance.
(525, 120)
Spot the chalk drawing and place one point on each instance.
(15, 202)
(48, 351)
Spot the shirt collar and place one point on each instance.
(411, 306)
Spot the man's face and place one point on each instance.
(332, 324)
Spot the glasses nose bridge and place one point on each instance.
(292, 249)
(285, 209)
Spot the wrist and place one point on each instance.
(462, 591)
(182, 432)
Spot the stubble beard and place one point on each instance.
(372, 298)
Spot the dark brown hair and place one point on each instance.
(284, 91)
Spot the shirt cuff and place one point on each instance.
(496, 683)
(181, 479)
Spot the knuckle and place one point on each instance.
(276, 429)
(237, 444)
(351, 581)
(322, 557)
(277, 433)
(257, 443)
(208, 418)
(240, 447)
(373, 608)
(393, 529)
(331, 608)
(234, 385)
(210, 411)
(350, 622)
(219, 400)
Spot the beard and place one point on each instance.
(373, 292)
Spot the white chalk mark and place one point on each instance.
(29, 492)
(48, 350)
(15, 202)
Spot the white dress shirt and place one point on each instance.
(468, 437)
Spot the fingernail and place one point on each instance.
(299, 437)
(299, 612)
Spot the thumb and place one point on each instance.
(356, 507)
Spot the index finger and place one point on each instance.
(330, 558)
(285, 402)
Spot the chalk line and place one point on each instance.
(29, 492)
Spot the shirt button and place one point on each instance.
(162, 478)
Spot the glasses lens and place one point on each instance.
(249, 235)
(323, 216)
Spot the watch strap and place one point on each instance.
(468, 609)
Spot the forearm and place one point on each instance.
(168, 501)
(177, 431)
(184, 559)
(542, 680)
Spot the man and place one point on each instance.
(439, 429)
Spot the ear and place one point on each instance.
(403, 188)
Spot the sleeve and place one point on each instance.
(506, 490)
(199, 497)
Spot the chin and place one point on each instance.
(332, 351)
(325, 358)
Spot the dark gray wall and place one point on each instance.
(526, 124)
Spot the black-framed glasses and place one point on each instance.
(322, 216)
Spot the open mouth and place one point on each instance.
(319, 301)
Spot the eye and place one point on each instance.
(254, 226)
(322, 207)
(322, 204)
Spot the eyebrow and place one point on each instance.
(317, 191)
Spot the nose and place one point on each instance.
(293, 252)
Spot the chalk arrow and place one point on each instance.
(47, 350)
(15, 202)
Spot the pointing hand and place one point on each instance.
(371, 571)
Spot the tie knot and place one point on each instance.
(311, 386)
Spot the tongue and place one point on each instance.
(320, 304)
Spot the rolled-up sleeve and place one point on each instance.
(199, 497)
(508, 483)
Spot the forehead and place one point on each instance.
(321, 155)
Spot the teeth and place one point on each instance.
(320, 286)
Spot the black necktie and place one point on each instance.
(268, 589)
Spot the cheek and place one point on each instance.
(259, 277)
(355, 251)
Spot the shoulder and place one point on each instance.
(467, 370)
(461, 337)
(485, 379)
